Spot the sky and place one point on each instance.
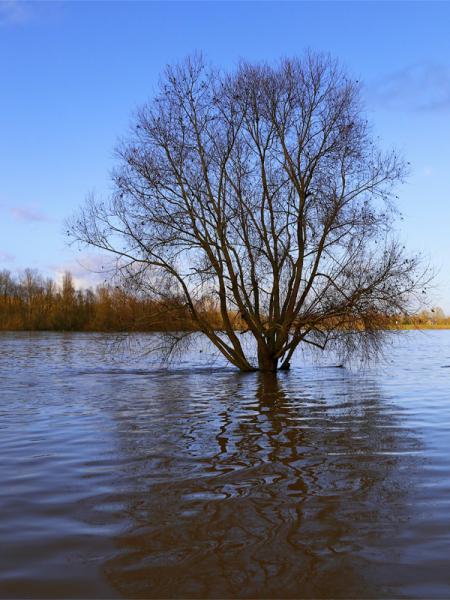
(72, 73)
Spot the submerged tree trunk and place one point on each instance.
(285, 366)
(266, 360)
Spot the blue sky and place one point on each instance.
(73, 72)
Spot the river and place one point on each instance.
(121, 479)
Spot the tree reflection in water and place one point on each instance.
(288, 485)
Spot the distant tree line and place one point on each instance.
(30, 302)
(433, 318)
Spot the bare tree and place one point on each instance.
(262, 193)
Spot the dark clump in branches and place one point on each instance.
(262, 193)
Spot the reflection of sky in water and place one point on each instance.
(208, 483)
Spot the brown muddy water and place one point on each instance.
(119, 479)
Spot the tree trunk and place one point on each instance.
(285, 366)
(266, 360)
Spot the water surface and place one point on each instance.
(120, 479)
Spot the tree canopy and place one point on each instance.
(260, 192)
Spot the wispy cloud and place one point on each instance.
(29, 214)
(420, 87)
(88, 270)
(6, 257)
(14, 12)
